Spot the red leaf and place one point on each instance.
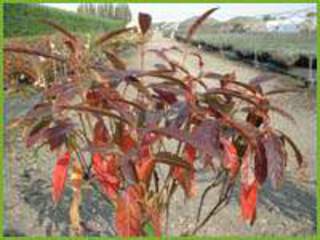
(106, 170)
(247, 171)
(230, 158)
(101, 134)
(186, 177)
(93, 97)
(126, 141)
(248, 201)
(59, 176)
(129, 214)
(145, 165)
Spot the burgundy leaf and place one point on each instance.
(167, 96)
(205, 138)
(193, 28)
(295, 148)
(260, 163)
(37, 131)
(57, 135)
(276, 157)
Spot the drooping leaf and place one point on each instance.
(232, 93)
(260, 163)
(109, 35)
(187, 178)
(295, 148)
(59, 176)
(230, 158)
(106, 171)
(280, 91)
(193, 28)
(247, 167)
(126, 141)
(115, 60)
(33, 52)
(144, 169)
(205, 137)
(213, 75)
(167, 96)
(248, 201)
(129, 213)
(59, 28)
(144, 22)
(40, 110)
(57, 135)
(37, 130)
(167, 77)
(100, 134)
(276, 157)
(127, 165)
(101, 111)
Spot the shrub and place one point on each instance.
(105, 137)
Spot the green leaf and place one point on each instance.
(148, 228)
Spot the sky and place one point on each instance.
(179, 12)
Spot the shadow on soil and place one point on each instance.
(95, 211)
(292, 201)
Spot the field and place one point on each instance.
(23, 20)
(288, 43)
(249, 40)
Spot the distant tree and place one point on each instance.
(117, 10)
(268, 17)
(127, 13)
(122, 11)
(110, 10)
(100, 10)
(80, 8)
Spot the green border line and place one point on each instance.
(317, 236)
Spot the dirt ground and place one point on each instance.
(291, 211)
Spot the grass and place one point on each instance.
(21, 20)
